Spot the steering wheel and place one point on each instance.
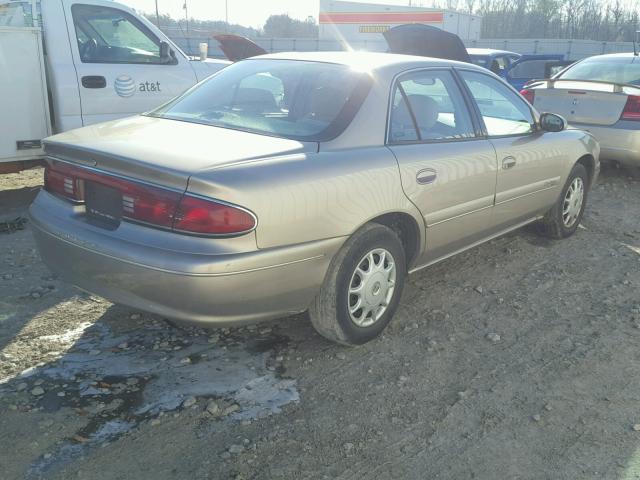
(89, 48)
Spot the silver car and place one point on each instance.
(600, 94)
(305, 181)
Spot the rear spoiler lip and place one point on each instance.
(551, 83)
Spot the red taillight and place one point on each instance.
(152, 205)
(529, 95)
(62, 181)
(631, 109)
(198, 215)
(145, 203)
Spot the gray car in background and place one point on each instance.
(305, 181)
(600, 94)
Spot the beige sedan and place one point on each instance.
(306, 181)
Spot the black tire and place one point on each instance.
(329, 311)
(553, 224)
(633, 172)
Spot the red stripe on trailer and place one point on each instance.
(381, 17)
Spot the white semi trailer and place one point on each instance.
(360, 24)
(68, 63)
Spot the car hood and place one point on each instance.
(165, 151)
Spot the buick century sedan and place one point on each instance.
(305, 182)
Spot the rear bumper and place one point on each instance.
(619, 142)
(214, 288)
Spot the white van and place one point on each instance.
(70, 63)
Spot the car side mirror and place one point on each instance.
(551, 122)
(165, 52)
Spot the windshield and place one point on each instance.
(300, 100)
(17, 14)
(480, 60)
(614, 70)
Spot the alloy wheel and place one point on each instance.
(572, 205)
(371, 287)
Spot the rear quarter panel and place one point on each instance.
(306, 197)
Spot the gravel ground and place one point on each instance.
(517, 360)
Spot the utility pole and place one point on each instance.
(157, 16)
(186, 15)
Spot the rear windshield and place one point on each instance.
(309, 101)
(615, 70)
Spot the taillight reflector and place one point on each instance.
(153, 205)
(631, 109)
(145, 203)
(62, 181)
(529, 95)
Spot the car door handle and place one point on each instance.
(94, 81)
(426, 176)
(508, 162)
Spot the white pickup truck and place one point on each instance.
(70, 63)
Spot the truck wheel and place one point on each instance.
(564, 217)
(362, 288)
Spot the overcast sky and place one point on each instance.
(251, 13)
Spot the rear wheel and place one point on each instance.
(362, 288)
(564, 217)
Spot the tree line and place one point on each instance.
(281, 26)
(606, 20)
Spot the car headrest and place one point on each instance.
(325, 103)
(426, 110)
(255, 100)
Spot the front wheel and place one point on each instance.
(564, 217)
(362, 288)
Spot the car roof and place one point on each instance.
(612, 56)
(489, 51)
(366, 60)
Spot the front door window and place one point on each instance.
(502, 110)
(109, 35)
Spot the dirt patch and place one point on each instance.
(517, 359)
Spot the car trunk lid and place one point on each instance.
(165, 152)
(595, 103)
(237, 48)
(426, 41)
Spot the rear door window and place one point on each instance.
(428, 106)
